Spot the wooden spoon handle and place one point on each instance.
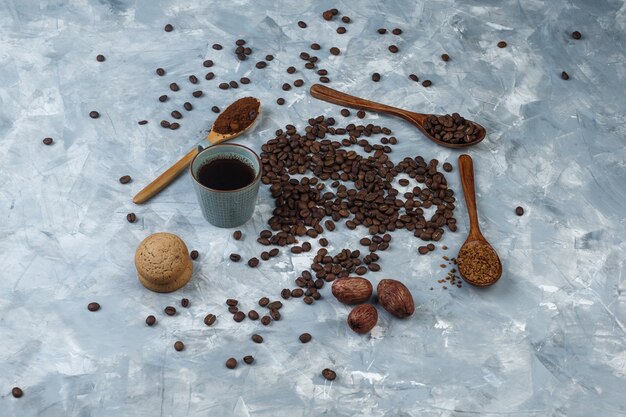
(337, 97)
(466, 172)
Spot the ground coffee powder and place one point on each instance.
(238, 116)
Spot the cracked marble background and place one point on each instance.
(547, 340)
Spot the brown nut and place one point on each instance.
(352, 290)
(363, 318)
(395, 298)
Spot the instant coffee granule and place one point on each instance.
(478, 263)
(238, 116)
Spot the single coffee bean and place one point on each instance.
(207, 64)
(565, 75)
(291, 70)
(188, 106)
(280, 101)
(374, 267)
(298, 83)
(309, 65)
(217, 46)
(142, 122)
(235, 257)
(519, 211)
(393, 49)
(360, 114)
(266, 320)
(193, 79)
(302, 24)
(375, 77)
(404, 182)
(184, 302)
(329, 374)
(257, 338)
(361, 270)
(168, 28)
(253, 315)
(323, 242)
(265, 256)
(176, 114)
(414, 77)
(163, 98)
(286, 87)
(502, 44)
(275, 314)
(576, 35)
(248, 360)
(179, 346)
(239, 316)
(209, 76)
(447, 166)
(427, 83)
(100, 58)
(93, 306)
(94, 114)
(275, 305)
(215, 109)
(210, 319)
(430, 247)
(297, 293)
(328, 15)
(231, 302)
(382, 31)
(244, 80)
(315, 47)
(397, 31)
(131, 217)
(423, 250)
(308, 300)
(150, 320)
(199, 93)
(341, 30)
(125, 179)
(345, 19)
(17, 392)
(233, 309)
(285, 293)
(48, 141)
(160, 72)
(305, 337)
(165, 123)
(169, 310)
(247, 51)
(223, 86)
(253, 262)
(264, 301)
(231, 363)
(237, 235)
(274, 252)
(445, 57)
(240, 42)
(335, 51)
(174, 126)
(261, 64)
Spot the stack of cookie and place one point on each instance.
(163, 263)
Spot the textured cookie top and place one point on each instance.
(162, 258)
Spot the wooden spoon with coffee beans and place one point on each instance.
(419, 120)
(478, 262)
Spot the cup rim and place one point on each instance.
(254, 181)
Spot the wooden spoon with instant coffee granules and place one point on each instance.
(233, 122)
(470, 132)
(478, 262)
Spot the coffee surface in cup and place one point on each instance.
(225, 174)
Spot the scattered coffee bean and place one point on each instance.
(308, 300)
(302, 24)
(328, 15)
(244, 80)
(414, 77)
(501, 44)
(165, 123)
(397, 31)
(150, 320)
(576, 35)
(298, 83)
(215, 109)
(519, 211)
(125, 179)
(217, 46)
(382, 31)
(266, 320)
(257, 338)
(199, 93)
(93, 306)
(184, 302)
(324, 79)
(431, 247)
(261, 64)
(280, 101)
(329, 374)
(94, 114)
(209, 76)
(265, 256)
(297, 292)
(275, 314)
(207, 64)
(393, 49)
(142, 122)
(375, 77)
(223, 86)
(345, 19)
(231, 302)
(335, 51)
(188, 106)
(445, 57)
(163, 98)
(274, 252)
(361, 270)
(237, 235)
(309, 65)
(404, 182)
(264, 301)
(235, 257)
(427, 83)
(239, 316)
(341, 30)
(174, 87)
(253, 262)
(100, 58)
(169, 310)
(17, 392)
(131, 217)
(565, 75)
(48, 141)
(423, 250)
(286, 87)
(210, 319)
(174, 126)
(315, 47)
(253, 315)
(248, 360)
(231, 363)
(233, 309)
(275, 305)
(360, 114)
(176, 114)
(160, 72)
(193, 79)
(179, 346)
(285, 293)
(447, 166)
(305, 337)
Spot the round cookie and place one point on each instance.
(163, 263)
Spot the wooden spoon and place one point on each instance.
(175, 170)
(417, 119)
(475, 243)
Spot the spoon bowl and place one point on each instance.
(418, 120)
(479, 264)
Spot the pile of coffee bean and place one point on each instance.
(453, 128)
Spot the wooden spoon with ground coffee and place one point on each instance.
(451, 131)
(478, 262)
(234, 121)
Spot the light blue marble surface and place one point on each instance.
(547, 340)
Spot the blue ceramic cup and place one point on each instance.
(227, 208)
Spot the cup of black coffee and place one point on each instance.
(226, 179)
